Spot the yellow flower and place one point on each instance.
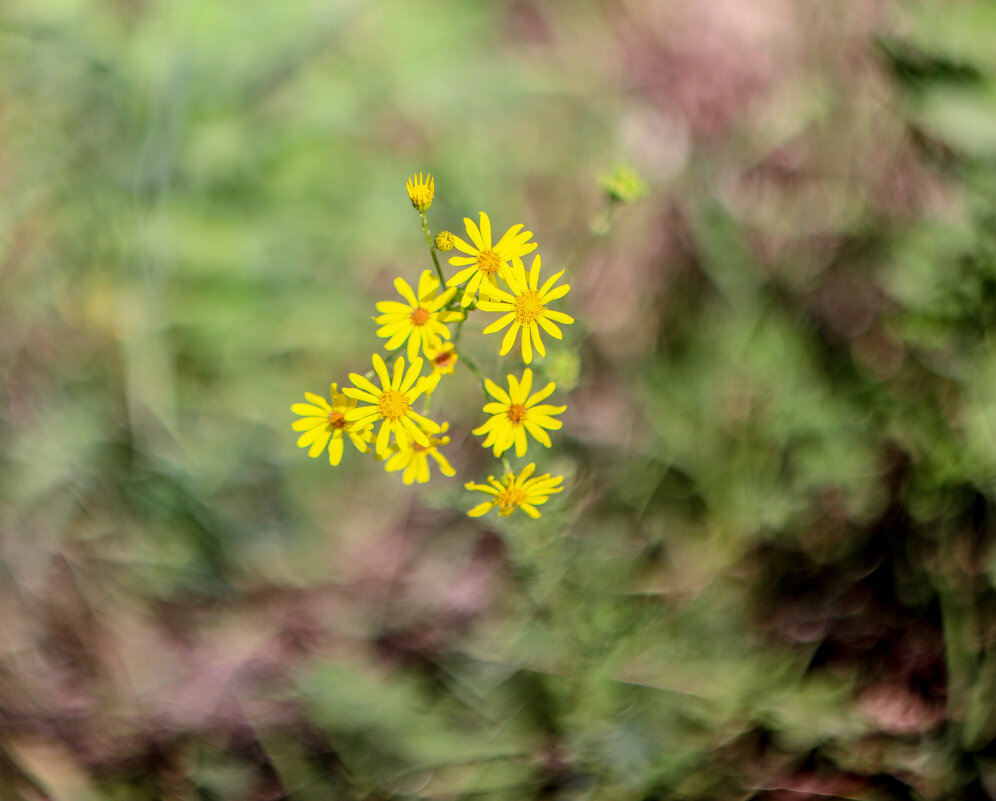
(443, 359)
(526, 308)
(421, 191)
(414, 459)
(392, 402)
(517, 412)
(486, 262)
(421, 320)
(516, 492)
(324, 425)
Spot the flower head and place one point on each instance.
(391, 402)
(486, 261)
(444, 241)
(414, 459)
(516, 492)
(525, 308)
(421, 191)
(623, 184)
(323, 425)
(420, 320)
(443, 359)
(517, 412)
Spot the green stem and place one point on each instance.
(432, 248)
(472, 367)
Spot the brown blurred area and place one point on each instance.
(771, 575)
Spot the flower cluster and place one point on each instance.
(377, 415)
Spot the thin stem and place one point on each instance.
(432, 248)
(596, 233)
(472, 367)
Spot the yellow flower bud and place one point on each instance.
(444, 241)
(421, 191)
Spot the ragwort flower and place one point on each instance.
(414, 459)
(323, 425)
(421, 191)
(391, 402)
(486, 261)
(517, 412)
(516, 492)
(443, 359)
(420, 321)
(526, 308)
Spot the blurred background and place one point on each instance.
(771, 575)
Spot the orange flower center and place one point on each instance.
(528, 306)
(420, 316)
(488, 261)
(516, 412)
(508, 499)
(393, 404)
(337, 420)
(444, 359)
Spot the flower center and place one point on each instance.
(420, 316)
(488, 261)
(508, 499)
(393, 404)
(337, 420)
(444, 359)
(516, 413)
(528, 306)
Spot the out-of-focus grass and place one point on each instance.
(771, 574)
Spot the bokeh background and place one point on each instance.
(771, 575)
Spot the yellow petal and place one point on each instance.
(405, 291)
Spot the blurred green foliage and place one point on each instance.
(772, 573)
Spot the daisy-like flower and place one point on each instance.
(525, 308)
(323, 425)
(414, 459)
(420, 320)
(516, 492)
(486, 261)
(391, 402)
(443, 359)
(515, 412)
(421, 191)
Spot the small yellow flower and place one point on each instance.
(414, 459)
(443, 359)
(486, 262)
(325, 425)
(517, 412)
(421, 191)
(526, 308)
(391, 402)
(421, 320)
(516, 492)
(444, 241)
